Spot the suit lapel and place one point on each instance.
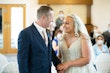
(38, 36)
(49, 44)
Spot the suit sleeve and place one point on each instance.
(55, 59)
(23, 53)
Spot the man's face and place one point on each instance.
(49, 19)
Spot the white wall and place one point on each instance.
(31, 8)
(80, 10)
(101, 13)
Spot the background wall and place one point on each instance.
(101, 13)
(31, 8)
(80, 10)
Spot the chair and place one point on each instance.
(103, 63)
(11, 67)
(53, 69)
(3, 61)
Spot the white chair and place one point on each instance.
(103, 63)
(53, 69)
(11, 67)
(3, 61)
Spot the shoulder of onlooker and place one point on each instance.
(105, 32)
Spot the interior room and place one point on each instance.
(16, 15)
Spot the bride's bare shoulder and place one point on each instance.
(83, 36)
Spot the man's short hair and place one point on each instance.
(43, 10)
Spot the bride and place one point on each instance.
(75, 48)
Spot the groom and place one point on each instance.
(35, 51)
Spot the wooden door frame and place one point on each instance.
(7, 27)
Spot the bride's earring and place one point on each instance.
(76, 32)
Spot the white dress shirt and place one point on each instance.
(42, 30)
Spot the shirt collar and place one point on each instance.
(40, 29)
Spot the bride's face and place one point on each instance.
(68, 25)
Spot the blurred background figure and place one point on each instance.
(55, 46)
(100, 47)
(106, 35)
(50, 30)
(59, 20)
(91, 32)
(94, 33)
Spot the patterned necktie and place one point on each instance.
(45, 37)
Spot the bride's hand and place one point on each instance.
(65, 65)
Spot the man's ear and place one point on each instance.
(43, 17)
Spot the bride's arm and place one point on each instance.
(59, 55)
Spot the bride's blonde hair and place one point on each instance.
(77, 31)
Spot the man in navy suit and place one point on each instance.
(35, 51)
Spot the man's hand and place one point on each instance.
(59, 67)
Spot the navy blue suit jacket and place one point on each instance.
(33, 54)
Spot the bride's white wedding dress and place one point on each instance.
(73, 52)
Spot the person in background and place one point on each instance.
(57, 35)
(51, 29)
(96, 31)
(106, 35)
(59, 20)
(35, 51)
(100, 47)
(93, 34)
